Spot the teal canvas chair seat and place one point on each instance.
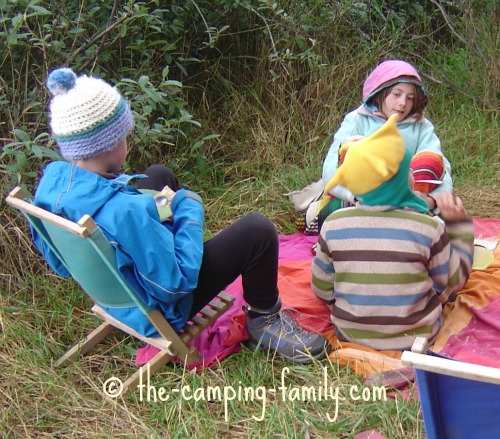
(87, 254)
(459, 400)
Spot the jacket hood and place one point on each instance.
(85, 191)
(387, 74)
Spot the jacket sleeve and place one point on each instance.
(164, 260)
(347, 129)
(187, 209)
(451, 258)
(429, 141)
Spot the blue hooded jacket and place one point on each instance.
(159, 261)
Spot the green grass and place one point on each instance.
(469, 137)
(40, 321)
(43, 315)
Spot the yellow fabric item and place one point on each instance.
(371, 161)
(342, 152)
(482, 258)
(346, 145)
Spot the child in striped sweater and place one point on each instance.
(385, 267)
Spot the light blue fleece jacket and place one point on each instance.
(418, 136)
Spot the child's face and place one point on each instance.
(399, 101)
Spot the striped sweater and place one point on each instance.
(386, 273)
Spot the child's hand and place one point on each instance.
(450, 207)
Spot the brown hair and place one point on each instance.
(421, 99)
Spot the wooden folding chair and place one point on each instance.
(89, 257)
(459, 400)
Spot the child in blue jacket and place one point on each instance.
(166, 263)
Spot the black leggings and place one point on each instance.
(248, 247)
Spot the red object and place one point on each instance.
(428, 171)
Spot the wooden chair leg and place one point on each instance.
(84, 346)
(148, 370)
(179, 347)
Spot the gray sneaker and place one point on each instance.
(279, 332)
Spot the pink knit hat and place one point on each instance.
(386, 73)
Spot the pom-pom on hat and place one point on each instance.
(87, 115)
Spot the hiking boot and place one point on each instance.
(279, 332)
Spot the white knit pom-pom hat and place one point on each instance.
(87, 115)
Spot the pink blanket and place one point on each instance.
(479, 341)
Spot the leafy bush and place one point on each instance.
(230, 90)
(136, 42)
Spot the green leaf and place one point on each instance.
(22, 135)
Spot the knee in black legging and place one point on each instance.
(159, 176)
(260, 226)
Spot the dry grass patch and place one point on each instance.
(481, 202)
